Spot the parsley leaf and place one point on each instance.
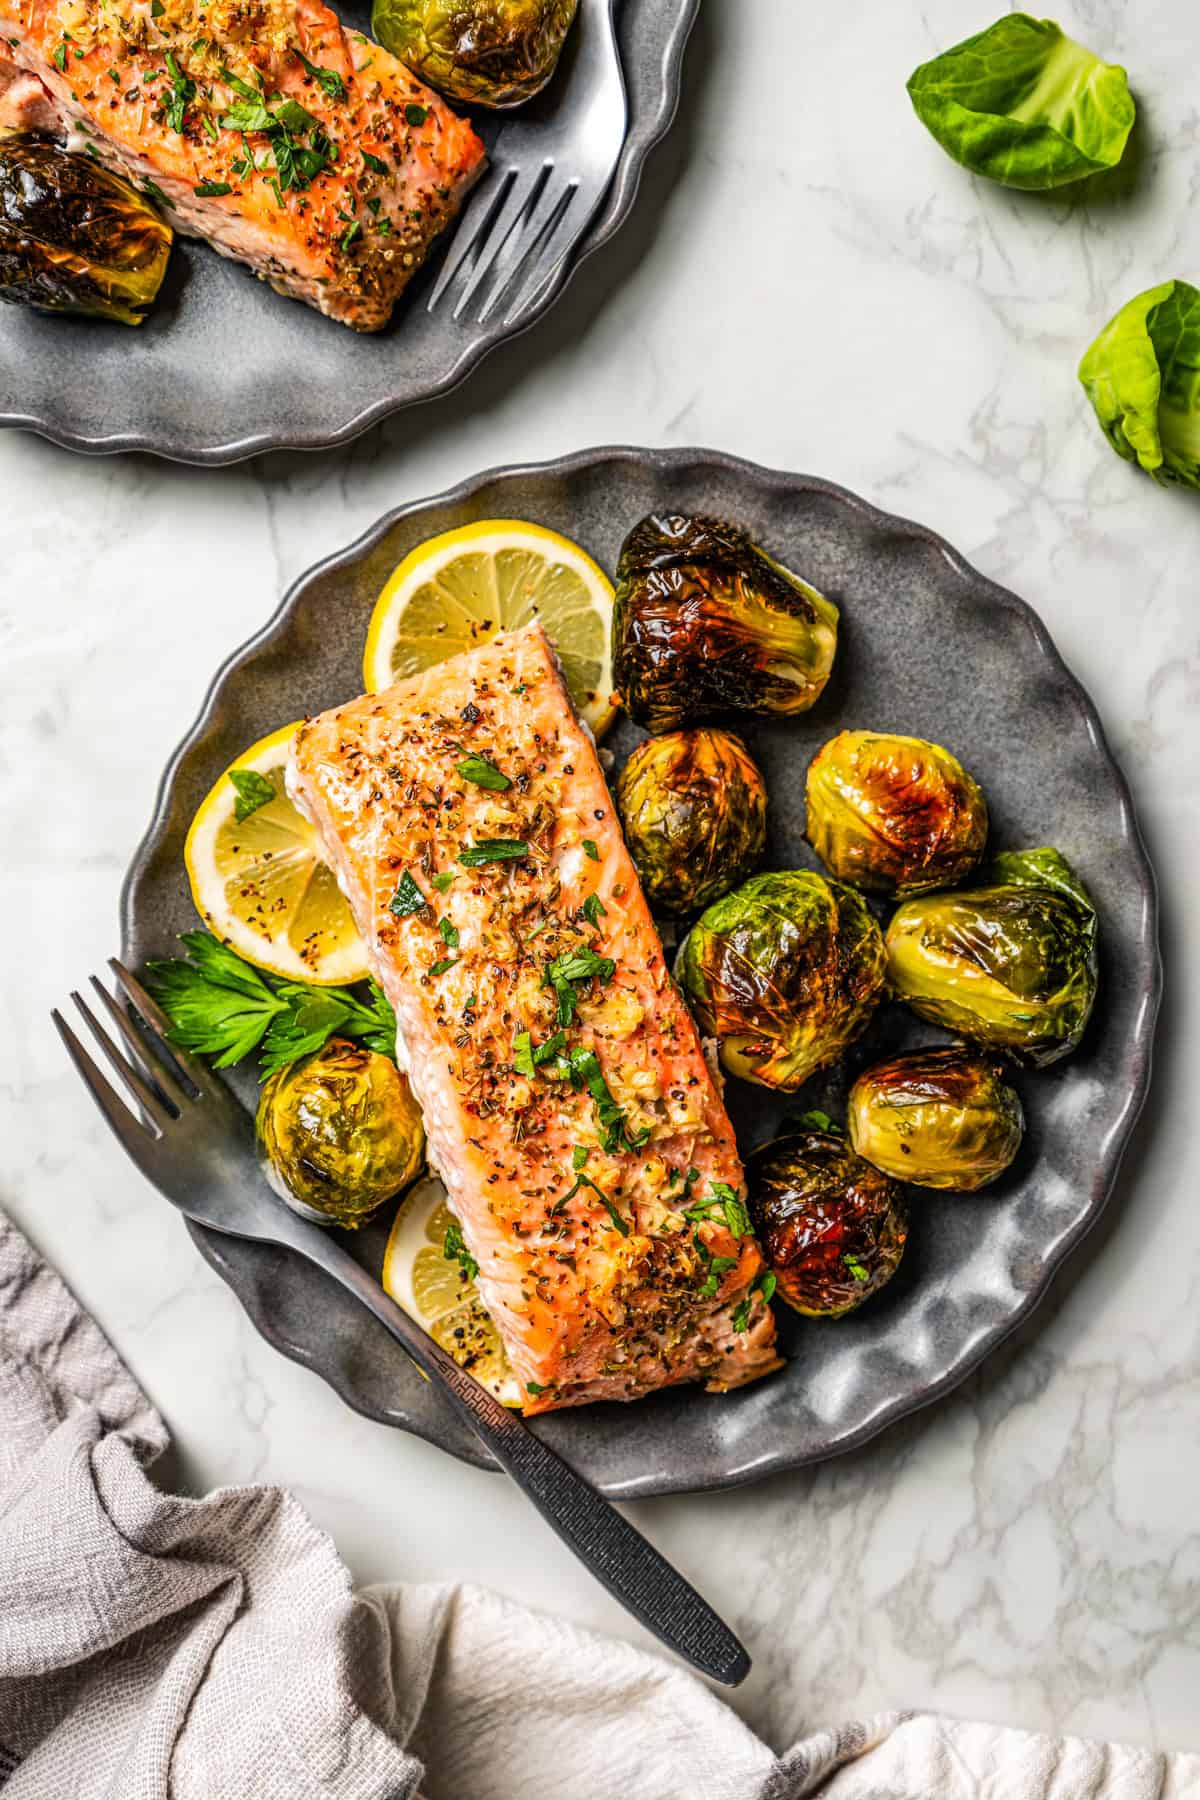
(408, 898)
(483, 773)
(585, 1070)
(593, 909)
(416, 115)
(441, 882)
(590, 849)
(575, 966)
(374, 162)
(183, 92)
(327, 79)
(449, 934)
(855, 1267)
(253, 790)
(443, 964)
(816, 1120)
(535, 1388)
(490, 850)
(454, 1249)
(205, 190)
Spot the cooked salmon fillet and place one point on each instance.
(568, 1104)
(292, 145)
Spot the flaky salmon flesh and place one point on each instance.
(290, 144)
(568, 1104)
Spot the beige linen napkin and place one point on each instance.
(155, 1647)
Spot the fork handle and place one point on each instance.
(617, 1554)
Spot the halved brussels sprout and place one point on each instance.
(1142, 376)
(938, 1118)
(832, 1227)
(73, 237)
(694, 808)
(785, 973)
(339, 1132)
(1011, 964)
(896, 815)
(706, 624)
(483, 52)
(1025, 105)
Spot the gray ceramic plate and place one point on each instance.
(929, 647)
(224, 368)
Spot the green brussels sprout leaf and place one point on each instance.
(1142, 376)
(1023, 104)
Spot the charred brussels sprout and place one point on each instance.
(832, 1226)
(340, 1132)
(892, 814)
(938, 1118)
(73, 237)
(706, 624)
(1011, 964)
(784, 973)
(694, 808)
(483, 52)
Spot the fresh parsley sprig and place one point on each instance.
(224, 1008)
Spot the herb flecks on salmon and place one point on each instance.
(569, 1107)
(295, 146)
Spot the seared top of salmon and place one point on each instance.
(301, 148)
(568, 1104)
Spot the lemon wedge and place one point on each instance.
(458, 590)
(436, 1291)
(258, 881)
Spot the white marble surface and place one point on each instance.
(808, 281)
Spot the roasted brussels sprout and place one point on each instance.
(694, 808)
(73, 237)
(1010, 964)
(339, 1132)
(892, 814)
(483, 52)
(706, 624)
(938, 1118)
(832, 1226)
(784, 973)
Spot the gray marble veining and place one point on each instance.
(808, 281)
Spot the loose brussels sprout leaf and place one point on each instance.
(73, 237)
(937, 1118)
(784, 973)
(1024, 105)
(483, 52)
(339, 1132)
(833, 1228)
(895, 815)
(1011, 964)
(694, 808)
(706, 624)
(1142, 376)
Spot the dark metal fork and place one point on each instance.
(189, 1134)
(547, 178)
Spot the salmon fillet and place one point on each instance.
(568, 1104)
(289, 144)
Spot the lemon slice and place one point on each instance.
(259, 882)
(434, 1290)
(460, 589)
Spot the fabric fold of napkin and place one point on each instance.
(153, 1646)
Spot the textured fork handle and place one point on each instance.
(617, 1554)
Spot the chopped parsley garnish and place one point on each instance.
(351, 232)
(408, 898)
(297, 164)
(206, 120)
(535, 1388)
(327, 79)
(206, 190)
(816, 1120)
(416, 115)
(741, 1315)
(590, 849)
(157, 9)
(442, 964)
(571, 968)
(585, 1071)
(764, 1285)
(253, 790)
(449, 934)
(716, 1269)
(585, 1181)
(155, 192)
(490, 850)
(454, 1249)
(374, 162)
(441, 882)
(579, 1156)
(593, 909)
(183, 92)
(856, 1268)
(529, 1057)
(221, 1007)
(483, 773)
(60, 56)
(724, 1201)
